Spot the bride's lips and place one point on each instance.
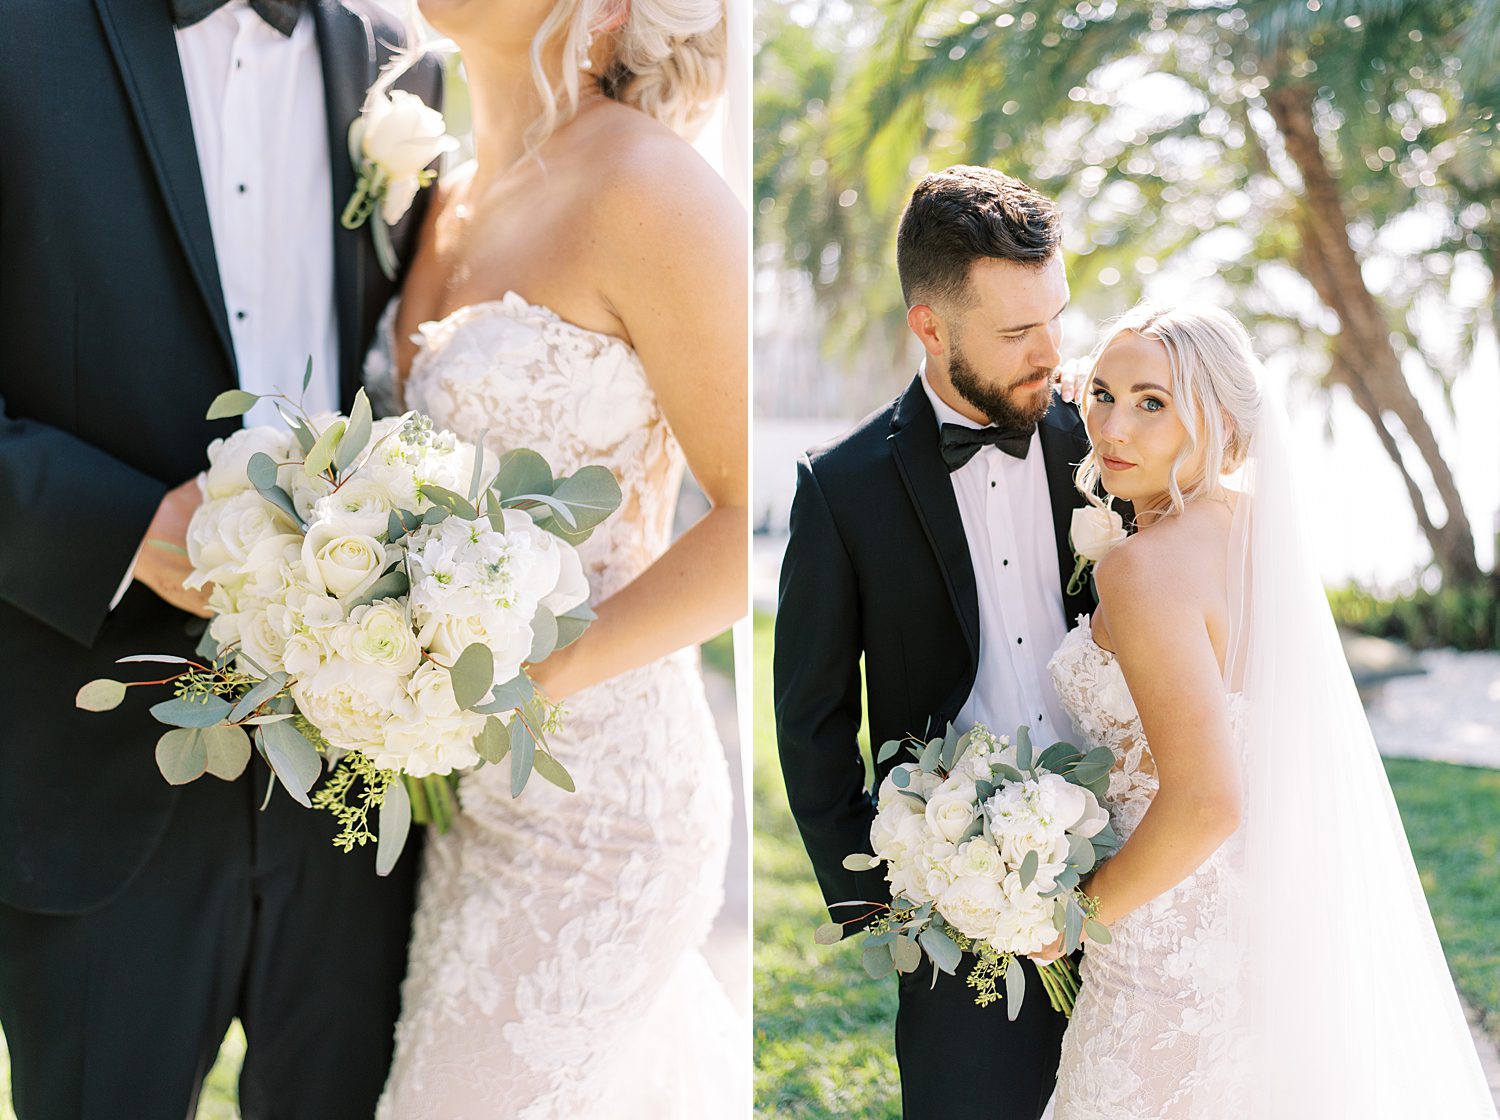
(1115, 464)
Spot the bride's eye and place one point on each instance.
(1150, 401)
(1102, 395)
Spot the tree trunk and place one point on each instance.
(1368, 362)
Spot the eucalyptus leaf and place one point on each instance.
(493, 741)
(307, 374)
(559, 509)
(1015, 988)
(888, 749)
(570, 626)
(941, 948)
(436, 515)
(522, 472)
(915, 796)
(185, 711)
(473, 674)
(976, 828)
(257, 696)
(392, 585)
(950, 748)
(1058, 757)
(901, 777)
(1029, 866)
(321, 455)
(262, 471)
(1080, 854)
(167, 546)
(859, 861)
(829, 933)
(544, 635)
(357, 436)
(591, 494)
(231, 402)
(292, 757)
(877, 961)
(1023, 747)
(161, 658)
(181, 755)
(394, 528)
(548, 767)
(522, 755)
(395, 824)
(455, 504)
(228, 751)
(931, 756)
(906, 955)
(885, 937)
(100, 695)
(282, 501)
(1008, 772)
(1097, 931)
(1072, 926)
(208, 647)
(508, 696)
(476, 480)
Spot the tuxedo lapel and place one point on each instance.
(145, 50)
(346, 46)
(1064, 445)
(914, 443)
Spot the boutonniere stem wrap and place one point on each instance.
(392, 144)
(1095, 530)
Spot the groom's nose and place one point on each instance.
(1046, 353)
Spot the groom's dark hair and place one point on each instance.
(965, 214)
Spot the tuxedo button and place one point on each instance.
(1005, 563)
(242, 188)
(239, 314)
(1018, 641)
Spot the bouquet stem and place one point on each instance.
(1061, 983)
(432, 800)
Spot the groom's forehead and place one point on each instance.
(1014, 296)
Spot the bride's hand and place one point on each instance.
(1050, 953)
(1071, 377)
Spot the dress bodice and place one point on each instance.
(525, 377)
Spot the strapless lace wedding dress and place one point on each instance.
(1154, 1034)
(555, 969)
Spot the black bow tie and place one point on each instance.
(961, 443)
(280, 14)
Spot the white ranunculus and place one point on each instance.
(309, 621)
(978, 856)
(360, 506)
(380, 635)
(223, 532)
(971, 904)
(343, 565)
(348, 702)
(935, 865)
(228, 458)
(950, 813)
(897, 837)
(262, 641)
(1095, 531)
(402, 135)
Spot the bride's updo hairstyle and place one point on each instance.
(667, 59)
(1216, 381)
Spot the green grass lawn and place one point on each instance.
(823, 1029)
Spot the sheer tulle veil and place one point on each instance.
(1350, 1010)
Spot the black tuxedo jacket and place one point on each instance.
(877, 567)
(113, 341)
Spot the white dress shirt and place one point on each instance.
(1007, 518)
(260, 123)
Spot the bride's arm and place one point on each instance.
(1159, 631)
(676, 247)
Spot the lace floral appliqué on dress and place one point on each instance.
(555, 968)
(1154, 1032)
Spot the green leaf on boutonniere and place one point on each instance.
(231, 402)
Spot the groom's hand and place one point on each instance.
(163, 569)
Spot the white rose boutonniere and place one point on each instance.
(395, 138)
(1094, 532)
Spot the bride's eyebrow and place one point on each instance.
(1148, 386)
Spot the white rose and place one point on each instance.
(896, 838)
(229, 458)
(401, 135)
(971, 904)
(1095, 531)
(950, 813)
(343, 565)
(380, 635)
(223, 532)
(261, 640)
(399, 194)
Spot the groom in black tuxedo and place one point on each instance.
(138, 919)
(932, 541)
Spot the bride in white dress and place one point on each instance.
(1273, 957)
(580, 289)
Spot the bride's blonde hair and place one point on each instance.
(668, 59)
(1216, 380)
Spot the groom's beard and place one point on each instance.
(1001, 405)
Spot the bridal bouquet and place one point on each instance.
(377, 586)
(984, 842)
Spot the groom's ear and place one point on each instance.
(929, 328)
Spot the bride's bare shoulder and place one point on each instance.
(1181, 558)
